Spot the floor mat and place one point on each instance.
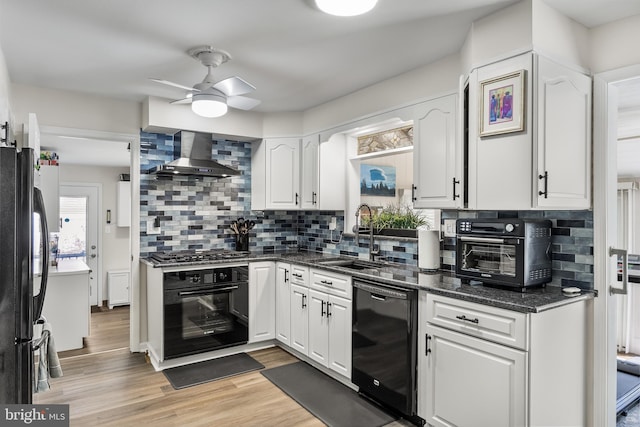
(334, 403)
(210, 370)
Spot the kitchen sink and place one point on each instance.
(351, 264)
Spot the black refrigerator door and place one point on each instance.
(38, 208)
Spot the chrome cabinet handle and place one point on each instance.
(328, 307)
(322, 310)
(304, 298)
(296, 199)
(625, 271)
(427, 350)
(326, 282)
(413, 193)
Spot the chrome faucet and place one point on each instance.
(372, 251)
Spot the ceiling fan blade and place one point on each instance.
(234, 86)
(242, 102)
(186, 100)
(167, 82)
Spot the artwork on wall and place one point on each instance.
(376, 180)
(502, 104)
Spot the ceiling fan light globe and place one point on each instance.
(208, 105)
(346, 7)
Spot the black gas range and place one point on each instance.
(194, 257)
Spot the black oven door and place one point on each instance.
(199, 319)
(490, 260)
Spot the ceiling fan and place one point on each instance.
(210, 98)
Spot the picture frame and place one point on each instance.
(377, 180)
(502, 104)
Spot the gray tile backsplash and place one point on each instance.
(195, 213)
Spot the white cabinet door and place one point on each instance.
(262, 302)
(300, 318)
(309, 188)
(318, 329)
(339, 323)
(118, 291)
(283, 173)
(123, 204)
(472, 382)
(563, 137)
(283, 303)
(436, 155)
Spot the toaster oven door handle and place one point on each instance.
(482, 239)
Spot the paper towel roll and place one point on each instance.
(429, 249)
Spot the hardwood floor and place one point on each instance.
(106, 385)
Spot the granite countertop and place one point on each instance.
(534, 300)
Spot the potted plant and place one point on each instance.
(395, 220)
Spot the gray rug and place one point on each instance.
(330, 401)
(210, 370)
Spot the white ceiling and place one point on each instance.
(296, 56)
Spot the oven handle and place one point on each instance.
(208, 291)
(481, 239)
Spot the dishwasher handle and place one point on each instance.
(380, 290)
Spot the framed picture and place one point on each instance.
(502, 108)
(377, 180)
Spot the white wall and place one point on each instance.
(75, 110)
(615, 45)
(423, 83)
(115, 245)
(5, 91)
(500, 34)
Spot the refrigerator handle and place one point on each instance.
(38, 207)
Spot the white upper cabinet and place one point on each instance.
(437, 155)
(310, 186)
(563, 135)
(547, 163)
(282, 173)
(123, 204)
(290, 174)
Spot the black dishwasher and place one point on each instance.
(384, 339)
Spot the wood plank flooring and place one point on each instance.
(106, 385)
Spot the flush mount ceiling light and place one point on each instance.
(209, 104)
(346, 7)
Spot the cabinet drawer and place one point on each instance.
(335, 284)
(300, 275)
(494, 324)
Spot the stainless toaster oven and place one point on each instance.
(514, 253)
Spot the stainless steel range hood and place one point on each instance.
(192, 154)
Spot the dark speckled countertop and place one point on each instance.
(441, 283)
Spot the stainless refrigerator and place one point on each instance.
(20, 203)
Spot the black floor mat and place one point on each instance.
(210, 370)
(334, 403)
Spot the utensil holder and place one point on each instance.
(242, 242)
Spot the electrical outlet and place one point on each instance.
(333, 224)
(449, 228)
(151, 229)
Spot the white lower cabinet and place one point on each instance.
(330, 321)
(283, 303)
(300, 318)
(262, 301)
(485, 366)
(473, 382)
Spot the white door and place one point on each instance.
(318, 328)
(300, 318)
(92, 194)
(283, 303)
(605, 237)
(339, 313)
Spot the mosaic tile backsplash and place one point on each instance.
(195, 213)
